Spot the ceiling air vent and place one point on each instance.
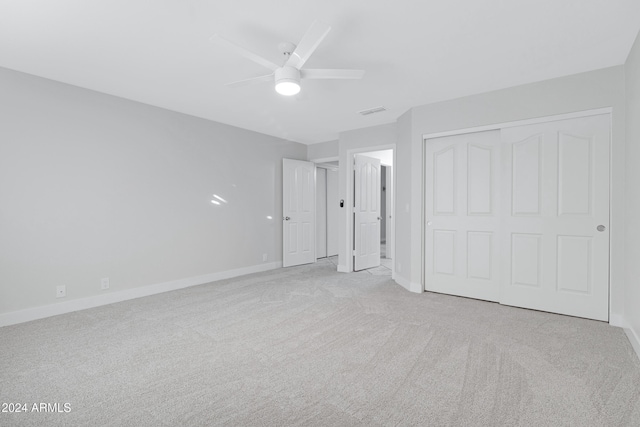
(374, 110)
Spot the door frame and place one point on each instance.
(322, 163)
(320, 213)
(348, 202)
(390, 232)
(498, 126)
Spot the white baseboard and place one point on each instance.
(402, 282)
(407, 284)
(617, 320)
(35, 313)
(343, 269)
(634, 339)
(633, 336)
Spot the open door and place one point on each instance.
(367, 213)
(298, 212)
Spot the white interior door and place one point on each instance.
(556, 217)
(299, 210)
(367, 213)
(462, 214)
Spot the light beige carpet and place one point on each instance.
(308, 346)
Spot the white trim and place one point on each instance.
(333, 168)
(545, 119)
(634, 339)
(325, 159)
(315, 212)
(343, 269)
(407, 284)
(423, 218)
(617, 320)
(613, 318)
(35, 313)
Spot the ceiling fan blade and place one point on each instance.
(219, 40)
(310, 41)
(331, 74)
(252, 80)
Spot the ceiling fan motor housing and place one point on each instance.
(287, 74)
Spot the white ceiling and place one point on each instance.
(414, 52)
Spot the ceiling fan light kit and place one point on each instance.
(287, 81)
(288, 76)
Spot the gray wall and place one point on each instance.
(632, 300)
(323, 151)
(403, 196)
(96, 186)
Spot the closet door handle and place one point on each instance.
(285, 218)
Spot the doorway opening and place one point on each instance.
(327, 210)
(372, 218)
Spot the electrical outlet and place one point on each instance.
(61, 291)
(104, 283)
(264, 257)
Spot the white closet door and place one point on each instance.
(462, 203)
(556, 217)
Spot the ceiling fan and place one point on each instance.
(287, 77)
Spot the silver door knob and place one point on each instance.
(379, 218)
(285, 218)
(601, 228)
